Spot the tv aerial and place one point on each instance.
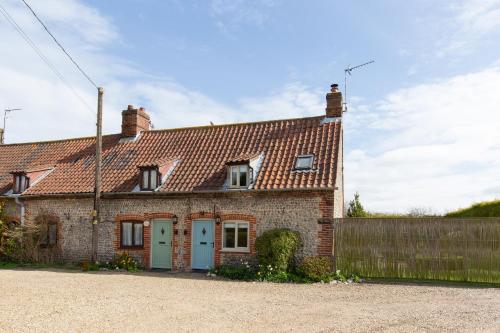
(5, 116)
(347, 71)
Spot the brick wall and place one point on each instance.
(264, 211)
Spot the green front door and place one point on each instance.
(162, 244)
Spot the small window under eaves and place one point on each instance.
(304, 162)
(21, 183)
(240, 176)
(150, 179)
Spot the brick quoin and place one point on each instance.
(325, 233)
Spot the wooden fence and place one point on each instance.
(419, 248)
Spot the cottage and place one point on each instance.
(184, 198)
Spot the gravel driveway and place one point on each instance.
(95, 302)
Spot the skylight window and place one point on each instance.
(304, 162)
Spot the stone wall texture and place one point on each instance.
(298, 211)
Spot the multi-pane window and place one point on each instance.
(239, 176)
(150, 179)
(132, 234)
(48, 234)
(235, 236)
(21, 183)
(304, 162)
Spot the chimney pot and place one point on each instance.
(1, 136)
(334, 105)
(134, 121)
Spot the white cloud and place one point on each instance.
(52, 111)
(432, 145)
(471, 22)
(295, 100)
(231, 14)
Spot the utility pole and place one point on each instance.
(6, 111)
(97, 189)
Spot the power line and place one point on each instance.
(42, 56)
(59, 44)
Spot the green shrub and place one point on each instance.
(481, 209)
(316, 269)
(271, 274)
(339, 276)
(276, 248)
(235, 272)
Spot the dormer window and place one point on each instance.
(21, 183)
(304, 162)
(150, 178)
(240, 176)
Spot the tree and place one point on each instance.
(355, 208)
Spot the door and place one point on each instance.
(203, 245)
(161, 256)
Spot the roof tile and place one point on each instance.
(201, 152)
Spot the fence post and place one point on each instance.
(466, 254)
(334, 247)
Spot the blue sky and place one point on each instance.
(421, 128)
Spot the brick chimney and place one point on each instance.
(334, 103)
(134, 121)
(1, 136)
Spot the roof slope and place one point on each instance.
(202, 153)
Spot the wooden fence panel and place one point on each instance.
(420, 248)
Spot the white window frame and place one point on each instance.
(311, 163)
(236, 248)
(238, 173)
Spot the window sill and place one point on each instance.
(236, 250)
(132, 248)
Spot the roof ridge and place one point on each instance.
(235, 124)
(55, 141)
(165, 130)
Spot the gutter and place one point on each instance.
(23, 209)
(115, 195)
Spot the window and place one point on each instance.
(304, 162)
(235, 236)
(132, 234)
(150, 179)
(240, 176)
(48, 234)
(21, 183)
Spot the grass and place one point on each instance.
(481, 209)
(11, 265)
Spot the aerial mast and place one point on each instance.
(347, 71)
(5, 113)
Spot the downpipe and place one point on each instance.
(23, 210)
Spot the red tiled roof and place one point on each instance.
(201, 154)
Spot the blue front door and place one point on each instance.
(203, 245)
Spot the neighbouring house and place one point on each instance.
(183, 198)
